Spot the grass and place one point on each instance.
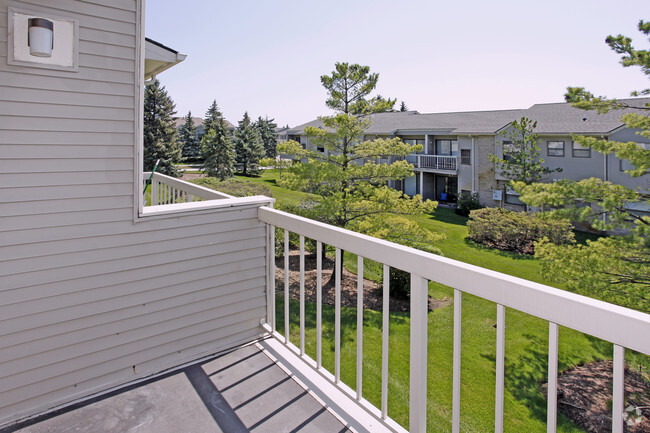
(526, 341)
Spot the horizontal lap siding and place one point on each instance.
(88, 298)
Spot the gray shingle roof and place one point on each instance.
(560, 118)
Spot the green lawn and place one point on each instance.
(526, 341)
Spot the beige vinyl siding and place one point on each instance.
(90, 299)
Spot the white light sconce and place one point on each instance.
(40, 37)
(42, 41)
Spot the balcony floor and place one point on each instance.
(242, 391)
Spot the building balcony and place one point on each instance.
(280, 382)
(434, 163)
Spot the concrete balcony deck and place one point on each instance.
(241, 391)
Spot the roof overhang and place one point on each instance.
(159, 58)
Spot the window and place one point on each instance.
(624, 165)
(513, 198)
(509, 150)
(580, 152)
(555, 148)
(304, 145)
(447, 147)
(466, 157)
(320, 149)
(413, 142)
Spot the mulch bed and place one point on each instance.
(585, 397)
(372, 299)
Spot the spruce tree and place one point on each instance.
(212, 117)
(189, 139)
(403, 107)
(217, 147)
(266, 128)
(160, 131)
(248, 147)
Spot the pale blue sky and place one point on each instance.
(266, 57)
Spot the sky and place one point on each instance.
(266, 57)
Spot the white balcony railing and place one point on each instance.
(623, 327)
(169, 190)
(434, 162)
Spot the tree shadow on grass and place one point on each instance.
(348, 321)
(448, 216)
(525, 375)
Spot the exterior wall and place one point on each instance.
(615, 168)
(465, 172)
(90, 299)
(485, 169)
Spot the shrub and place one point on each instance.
(467, 203)
(515, 231)
(234, 186)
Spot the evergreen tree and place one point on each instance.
(212, 117)
(160, 131)
(189, 139)
(614, 268)
(350, 176)
(266, 128)
(248, 147)
(403, 107)
(520, 161)
(217, 147)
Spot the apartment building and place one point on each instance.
(456, 148)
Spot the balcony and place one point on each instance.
(434, 163)
(278, 383)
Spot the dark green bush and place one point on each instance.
(234, 186)
(467, 203)
(515, 231)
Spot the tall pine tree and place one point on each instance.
(266, 128)
(188, 137)
(160, 131)
(217, 147)
(248, 146)
(212, 117)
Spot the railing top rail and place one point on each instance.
(190, 188)
(613, 323)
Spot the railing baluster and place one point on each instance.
(154, 193)
(319, 304)
(359, 327)
(500, 368)
(302, 295)
(458, 308)
(551, 392)
(286, 286)
(337, 318)
(418, 372)
(618, 392)
(271, 277)
(384, 342)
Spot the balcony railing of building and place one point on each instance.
(421, 161)
(623, 327)
(620, 326)
(168, 190)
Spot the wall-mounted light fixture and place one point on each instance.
(40, 37)
(32, 42)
